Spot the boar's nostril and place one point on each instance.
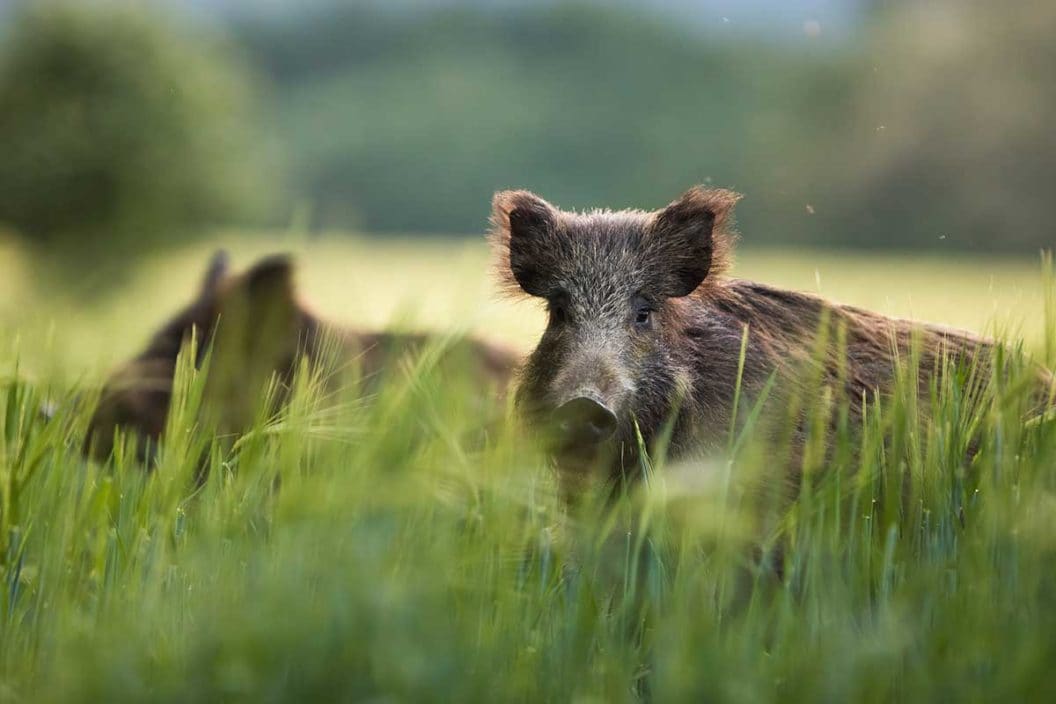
(584, 420)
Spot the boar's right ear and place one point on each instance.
(687, 241)
(258, 314)
(258, 304)
(523, 228)
(258, 335)
(269, 286)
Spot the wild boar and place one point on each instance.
(263, 331)
(645, 328)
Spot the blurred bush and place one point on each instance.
(118, 130)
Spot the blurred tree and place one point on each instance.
(117, 131)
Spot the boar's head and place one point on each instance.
(612, 362)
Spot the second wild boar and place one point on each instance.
(263, 331)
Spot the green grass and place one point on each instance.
(355, 548)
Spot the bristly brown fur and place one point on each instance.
(720, 203)
(502, 204)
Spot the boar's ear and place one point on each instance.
(214, 274)
(258, 305)
(257, 336)
(688, 240)
(268, 286)
(523, 228)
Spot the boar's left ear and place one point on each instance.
(523, 227)
(687, 241)
(215, 272)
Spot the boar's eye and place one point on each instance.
(643, 313)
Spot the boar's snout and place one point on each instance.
(583, 422)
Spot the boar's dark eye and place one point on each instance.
(643, 313)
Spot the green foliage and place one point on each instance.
(929, 128)
(409, 122)
(117, 129)
(354, 548)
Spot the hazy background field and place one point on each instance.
(446, 284)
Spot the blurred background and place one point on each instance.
(898, 154)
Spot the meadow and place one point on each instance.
(357, 548)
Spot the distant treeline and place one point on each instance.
(933, 131)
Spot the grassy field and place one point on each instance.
(386, 549)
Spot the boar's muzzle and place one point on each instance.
(583, 422)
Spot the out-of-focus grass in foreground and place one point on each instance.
(356, 548)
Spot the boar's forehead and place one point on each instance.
(600, 267)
